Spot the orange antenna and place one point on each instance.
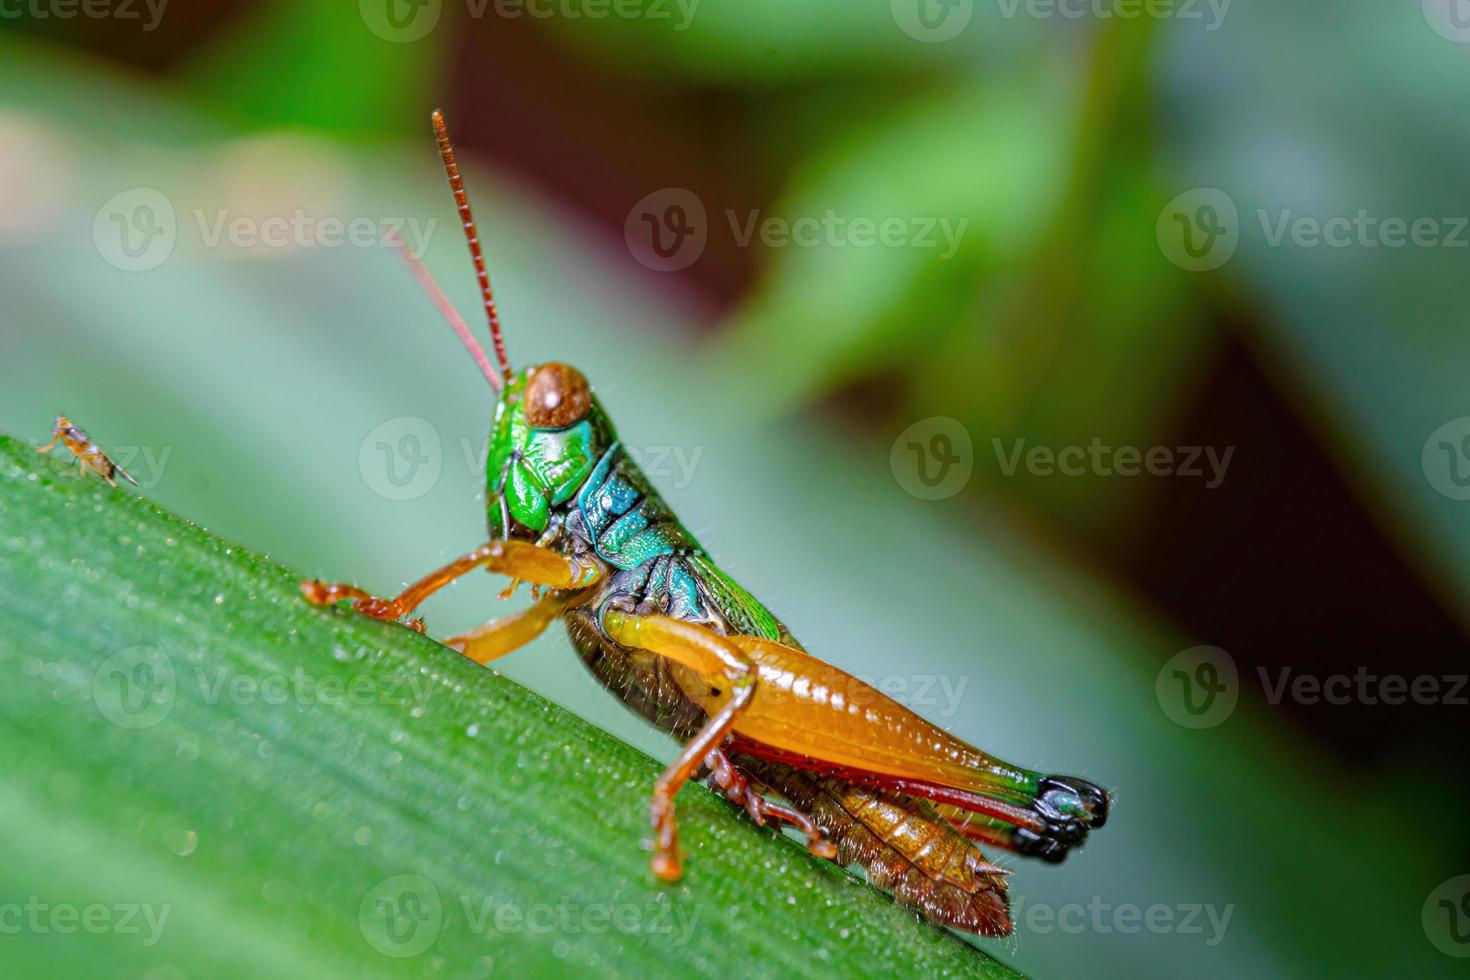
(472, 236)
(426, 280)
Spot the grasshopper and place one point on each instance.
(786, 736)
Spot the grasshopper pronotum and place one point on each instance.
(788, 737)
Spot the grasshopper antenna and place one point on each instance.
(446, 308)
(472, 236)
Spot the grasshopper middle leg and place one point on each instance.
(509, 633)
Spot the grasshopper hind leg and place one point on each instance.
(729, 782)
(712, 656)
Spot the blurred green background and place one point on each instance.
(1100, 232)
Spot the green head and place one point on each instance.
(549, 429)
(548, 434)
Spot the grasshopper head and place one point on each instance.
(549, 432)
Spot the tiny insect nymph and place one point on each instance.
(88, 454)
(784, 735)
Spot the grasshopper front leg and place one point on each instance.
(517, 559)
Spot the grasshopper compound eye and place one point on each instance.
(557, 396)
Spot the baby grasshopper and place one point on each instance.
(788, 737)
(89, 455)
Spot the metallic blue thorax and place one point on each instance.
(625, 519)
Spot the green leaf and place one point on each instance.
(184, 733)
